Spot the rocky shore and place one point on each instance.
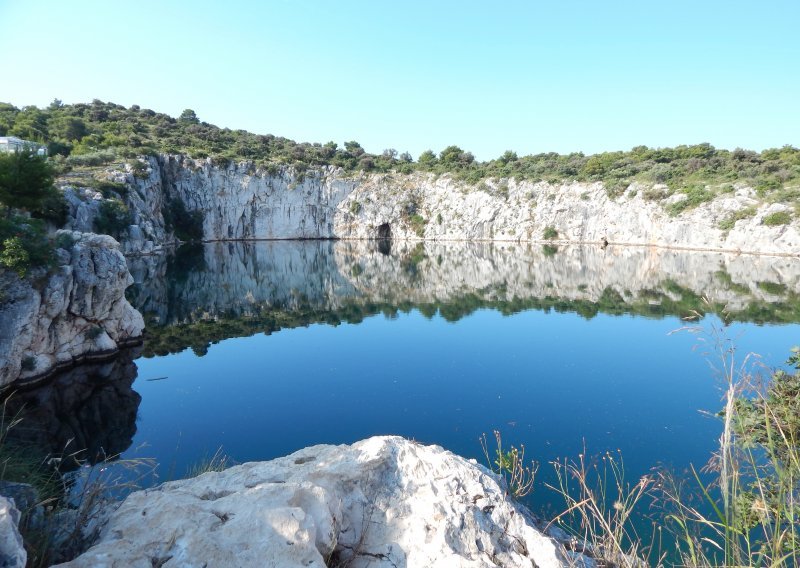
(76, 312)
(384, 501)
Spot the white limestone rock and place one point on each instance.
(382, 502)
(239, 201)
(12, 550)
(79, 311)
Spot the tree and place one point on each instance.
(188, 116)
(354, 148)
(427, 158)
(26, 181)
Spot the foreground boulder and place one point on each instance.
(382, 502)
(77, 311)
(12, 550)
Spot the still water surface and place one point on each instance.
(263, 348)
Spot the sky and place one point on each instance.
(531, 76)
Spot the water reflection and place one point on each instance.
(85, 414)
(205, 294)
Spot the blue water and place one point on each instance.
(260, 349)
(556, 382)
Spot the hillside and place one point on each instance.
(98, 132)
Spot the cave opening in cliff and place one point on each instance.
(385, 239)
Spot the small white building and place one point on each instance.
(14, 144)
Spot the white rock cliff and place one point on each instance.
(78, 312)
(239, 201)
(382, 502)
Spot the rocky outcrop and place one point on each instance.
(76, 312)
(12, 549)
(238, 201)
(383, 502)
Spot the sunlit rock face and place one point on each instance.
(384, 501)
(239, 201)
(76, 311)
(85, 415)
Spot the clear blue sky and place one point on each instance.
(531, 76)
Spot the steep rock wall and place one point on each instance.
(239, 201)
(79, 311)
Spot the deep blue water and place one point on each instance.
(261, 349)
(555, 381)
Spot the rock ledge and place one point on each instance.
(384, 501)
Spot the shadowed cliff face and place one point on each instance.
(235, 289)
(85, 414)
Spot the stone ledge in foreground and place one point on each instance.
(381, 502)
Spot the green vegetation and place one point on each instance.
(24, 244)
(186, 225)
(728, 223)
(695, 195)
(777, 218)
(549, 250)
(550, 233)
(510, 465)
(741, 510)
(30, 202)
(98, 132)
(113, 218)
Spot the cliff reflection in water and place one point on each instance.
(85, 414)
(215, 291)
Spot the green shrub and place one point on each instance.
(139, 169)
(549, 250)
(655, 194)
(24, 244)
(14, 256)
(355, 207)
(28, 363)
(777, 218)
(113, 218)
(64, 241)
(695, 195)
(765, 186)
(186, 225)
(94, 332)
(417, 223)
(728, 223)
(99, 158)
(550, 233)
(109, 189)
(774, 288)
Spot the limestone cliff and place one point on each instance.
(238, 201)
(77, 311)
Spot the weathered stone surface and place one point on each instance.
(12, 550)
(384, 501)
(79, 311)
(239, 201)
